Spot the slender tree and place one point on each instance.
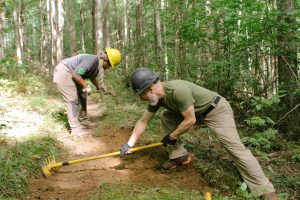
(165, 46)
(16, 17)
(117, 23)
(97, 27)
(60, 30)
(53, 23)
(138, 36)
(157, 20)
(44, 35)
(2, 27)
(287, 66)
(105, 23)
(72, 28)
(125, 35)
(82, 21)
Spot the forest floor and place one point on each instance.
(82, 180)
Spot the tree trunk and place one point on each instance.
(105, 21)
(118, 25)
(164, 6)
(60, 30)
(97, 27)
(158, 49)
(53, 23)
(43, 37)
(125, 36)
(16, 17)
(82, 20)
(2, 28)
(287, 68)
(138, 36)
(72, 28)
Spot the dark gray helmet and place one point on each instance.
(142, 78)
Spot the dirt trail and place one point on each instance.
(79, 181)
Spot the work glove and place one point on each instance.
(124, 149)
(168, 140)
(87, 89)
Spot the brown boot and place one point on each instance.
(173, 163)
(269, 196)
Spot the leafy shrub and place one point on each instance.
(260, 140)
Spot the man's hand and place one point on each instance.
(168, 140)
(124, 149)
(87, 89)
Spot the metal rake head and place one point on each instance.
(48, 165)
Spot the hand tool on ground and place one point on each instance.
(50, 164)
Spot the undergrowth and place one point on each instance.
(22, 160)
(212, 162)
(28, 93)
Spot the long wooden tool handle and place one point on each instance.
(109, 154)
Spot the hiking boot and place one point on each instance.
(269, 196)
(173, 163)
(83, 116)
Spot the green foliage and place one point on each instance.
(19, 78)
(296, 156)
(258, 111)
(19, 162)
(289, 182)
(260, 140)
(141, 192)
(61, 117)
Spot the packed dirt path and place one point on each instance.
(82, 180)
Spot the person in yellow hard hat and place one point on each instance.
(69, 76)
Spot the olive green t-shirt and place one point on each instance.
(180, 94)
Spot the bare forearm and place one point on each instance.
(79, 79)
(182, 128)
(137, 132)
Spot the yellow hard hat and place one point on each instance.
(114, 56)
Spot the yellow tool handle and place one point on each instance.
(208, 196)
(105, 155)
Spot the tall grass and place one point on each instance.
(20, 161)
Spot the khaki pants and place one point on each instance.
(63, 79)
(221, 121)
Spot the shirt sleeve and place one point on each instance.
(183, 98)
(153, 109)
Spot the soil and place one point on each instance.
(82, 180)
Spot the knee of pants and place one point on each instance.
(236, 149)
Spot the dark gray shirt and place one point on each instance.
(85, 65)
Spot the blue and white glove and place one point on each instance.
(124, 149)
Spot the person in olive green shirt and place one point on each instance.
(186, 104)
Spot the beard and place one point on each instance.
(152, 99)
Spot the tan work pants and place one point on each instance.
(221, 121)
(63, 79)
